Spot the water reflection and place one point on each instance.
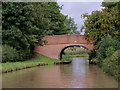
(78, 74)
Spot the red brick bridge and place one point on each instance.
(58, 43)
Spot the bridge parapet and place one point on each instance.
(66, 39)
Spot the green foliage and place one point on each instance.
(57, 25)
(51, 20)
(42, 21)
(110, 50)
(108, 4)
(102, 23)
(107, 48)
(9, 54)
(111, 65)
(18, 28)
(92, 54)
(71, 26)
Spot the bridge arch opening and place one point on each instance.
(63, 49)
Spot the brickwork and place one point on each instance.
(57, 42)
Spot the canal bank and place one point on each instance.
(78, 74)
(38, 60)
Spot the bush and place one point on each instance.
(24, 54)
(92, 54)
(110, 50)
(9, 54)
(107, 46)
(111, 65)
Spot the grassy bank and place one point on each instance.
(111, 65)
(38, 60)
(80, 55)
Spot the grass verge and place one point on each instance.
(70, 56)
(39, 60)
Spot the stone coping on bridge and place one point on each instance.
(68, 35)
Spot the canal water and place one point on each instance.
(78, 74)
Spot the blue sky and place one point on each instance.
(76, 9)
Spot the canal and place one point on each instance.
(78, 74)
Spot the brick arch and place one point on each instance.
(62, 50)
(57, 42)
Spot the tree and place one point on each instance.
(57, 25)
(108, 4)
(102, 23)
(71, 26)
(41, 20)
(49, 19)
(18, 27)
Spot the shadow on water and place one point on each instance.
(78, 74)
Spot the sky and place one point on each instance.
(76, 9)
